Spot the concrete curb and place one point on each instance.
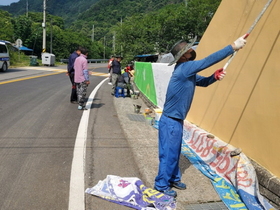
(269, 185)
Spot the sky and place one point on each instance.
(7, 2)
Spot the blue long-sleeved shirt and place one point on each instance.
(71, 61)
(184, 78)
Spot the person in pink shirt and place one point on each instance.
(81, 77)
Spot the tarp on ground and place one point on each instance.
(131, 192)
(234, 178)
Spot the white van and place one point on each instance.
(4, 57)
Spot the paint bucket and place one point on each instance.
(149, 120)
(136, 92)
(134, 97)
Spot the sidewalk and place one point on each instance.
(142, 138)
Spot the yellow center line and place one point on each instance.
(97, 67)
(26, 78)
(59, 72)
(99, 74)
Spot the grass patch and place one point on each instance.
(19, 59)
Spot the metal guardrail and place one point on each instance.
(89, 60)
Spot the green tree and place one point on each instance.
(22, 28)
(201, 13)
(29, 29)
(6, 29)
(120, 27)
(108, 13)
(156, 32)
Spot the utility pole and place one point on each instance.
(44, 27)
(121, 44)
(114, 42)
(92, 36)
(104, 48)
(26, 8)
(51, 36)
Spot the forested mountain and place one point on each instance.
(106, 13)
(81, 15)
(67, 9)
(106, 27)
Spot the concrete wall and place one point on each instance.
(244, 108)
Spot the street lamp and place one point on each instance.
(104, 48)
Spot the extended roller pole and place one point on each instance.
(248, 33)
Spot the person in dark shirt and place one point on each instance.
(116, 71)
(71, 73)
(127, 77)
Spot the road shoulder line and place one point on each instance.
(77, 183)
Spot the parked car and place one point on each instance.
(4, 57)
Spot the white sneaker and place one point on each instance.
(82, 108)
(109, 83)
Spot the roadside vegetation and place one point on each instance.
(127, 28)
(19, 59)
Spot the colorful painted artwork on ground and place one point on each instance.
(131, 192)
(233, 177)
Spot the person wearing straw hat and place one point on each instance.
(178, 101)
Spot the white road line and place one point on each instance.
(77, 183)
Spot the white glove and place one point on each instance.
(222, 75)
(240, 42)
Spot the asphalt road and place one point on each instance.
(38, 129)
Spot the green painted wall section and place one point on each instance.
(144, 80)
